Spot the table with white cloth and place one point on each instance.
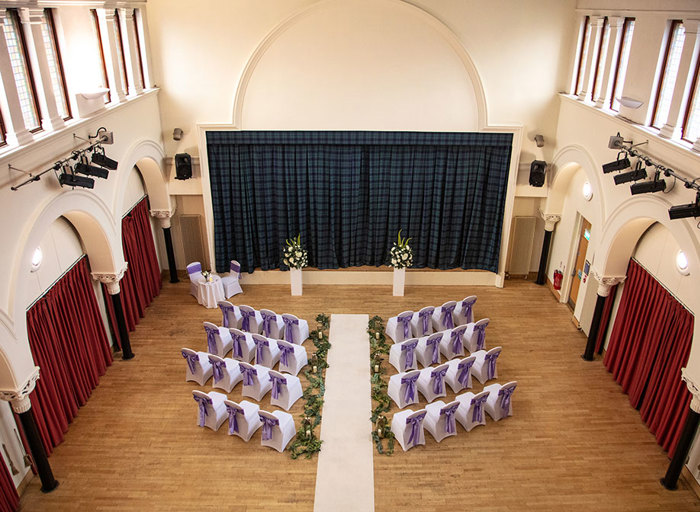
(209, 293)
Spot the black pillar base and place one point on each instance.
(48, 482)
(121, 325)
(542, 271)
(171, 255)
(595, 327)
(670, 480)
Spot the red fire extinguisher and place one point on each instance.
(558, 276)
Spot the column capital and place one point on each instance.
(33, 15)
(616, 21)
(597, 21)
(19, 398)
(606, 282)
(163, 216)
(694, 388)
(111, 279)
(550, 219)
(127, 12)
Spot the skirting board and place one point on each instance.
(689, 479)
(339, 277)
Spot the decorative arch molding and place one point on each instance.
(441, 28)
(7, 374)
(148, 156)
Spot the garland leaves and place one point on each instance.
(379, 347)
(306, 443)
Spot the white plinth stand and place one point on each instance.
(399, 281)
(295, 276)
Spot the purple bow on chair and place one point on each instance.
(456, 340)
(238, 340)
(236, 269)
(246, 316)
(409, 348)
(259, 354)
(233, 413)
(438, 380)
(424, 316)
(277, 383)
(410, 393)
(267, 319)
(467, 309)
(211, 339)
(435, 342)
(192, 360)
(202, 401)
(194, 268)
(505, 394)
(286, 351)
(447, 320)
(225, 309)
(449, 412)
(490, 360)
(406, 321)
(218, 369)
(268, 423)
(415, 423)
(478, 411)
(464, 369)
(481, 336)
(289, 324)
(248, 374)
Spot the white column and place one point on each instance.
(142, 22)
(131, 54)
(550, 220)
(31, 22)
(611, 60)
(17, 132)
(19, 397)
(684, 81)
(109, 44)
(111, 279)
(592, 57)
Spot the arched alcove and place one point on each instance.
(148, 157)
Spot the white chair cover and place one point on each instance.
(251, 320)
(464, 312)
(459, 373)
(296, 330)
(403, 388)
(211, 409)
(485, 364)
(470, 413)
(499, 403)
(398, 327)
(277, 429)
(219, 340)
(403, 355)
(407, 427)
(475, 335)
(198, 366)
(232, 285)
(452, 343)
(428, 349)
(422, 322)
(231, 315)
(431, 382)
(267, 353)
(256, 382)
(243, 345)
(273, 326)
(443, 318)
(226, 372)
(194, 272)
(243, 419)
(292, 357)
(441, 419)
(286, 389)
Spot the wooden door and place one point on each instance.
(584, 236)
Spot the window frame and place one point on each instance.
(605, 31)
(48, 15)
(691, 101)
(119, 34)
(664, 69)
(581, 52)
(98, 33)
(3, 130)
(627, 25)
(137, 35)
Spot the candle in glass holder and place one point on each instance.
(314, 369)
(308, 433)
(379, 432)
(376, 334)
(376, 368)
(320, 335)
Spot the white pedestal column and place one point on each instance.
(399, 281)
(295, 276)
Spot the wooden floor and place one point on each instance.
(574, 442)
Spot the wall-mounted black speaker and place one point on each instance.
(183, 166)
(537, 170)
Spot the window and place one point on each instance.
(622, 60)
(3, 132)
(691, 120)
(120, 52)
(598, 73)
(58, 78)
(26, 89)
(98, 33)
(137, 32)
(672, 58)
(582, 55)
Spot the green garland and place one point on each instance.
(378, 347)
(306, 443)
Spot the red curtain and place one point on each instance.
(68, 341)
(649, 345)
(605, 318)
(141, 282)
(9, 502)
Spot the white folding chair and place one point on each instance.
(243, 345)
(398, 327)
(292, 357)
(452, 343)
(212, 411)
(440, 419)
(286, 389)
(230, 313)
(219, 340)
(403, 355)
(251, 320)
(277, 429)
(198, 366)
(442, 316)
(431, 382)
(464, 312)
(421, 322)
(470, 413)
(428, 349)
(194, 272)
(226, 372)
(459, 373)
(272, 324)
(407, 427)
(402, 388)
(296, 330)
(231, 282)
(267, 353)
(475, 335)
(499, 403)
(243, 419)
(256, 382)
(485, 364)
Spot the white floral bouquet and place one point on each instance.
(294, 255)
(206, 275)
(401, 253)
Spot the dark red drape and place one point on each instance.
(9, 502)
(69, 343)
(605, 318)
(141, 282)
(649, 345)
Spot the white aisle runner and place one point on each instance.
(345, 473)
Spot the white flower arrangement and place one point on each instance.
(206, 274)
(294, 255)
(401, 253)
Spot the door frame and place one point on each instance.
(571, 259)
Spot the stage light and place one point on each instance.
(626, 177)
(83, 167)
(683, 211)
(102, 160)
(656, 185)
(618, 165)
(72, 180)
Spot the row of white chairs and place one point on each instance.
(426, 350)
(257, 380)
(245, 347)
(430, 381)
(229, 282)
(282, 327)
(429, 319)
(440, 419)
(244, 418)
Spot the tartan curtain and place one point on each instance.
(349, 193)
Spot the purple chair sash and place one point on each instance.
(490, 360)
(465, 368)
(248, 374)
(286, 351)
(415, 423)
(406, 321)
(203, 412)
(268, 423)
(447, 320)
(456, 340)
(481, 336)
(467, 310)
(409, 348)
(450, 425)
(218, 369)
(235, 269)
(267, 319)
(233, 413)
(238, 340)
(505, 394)
(277, 383)
(410, 393)
(438, 380)
(194, 268)
(259, 354)
(211, 339)
(435, 342)
(225, 311)
(424, 316)
(192, 360)
(246, 316)
(289, 324)
(478, 411)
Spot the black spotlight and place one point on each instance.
(645, 187)
(72, 180)
(102, 160)
(636, 175)
(618, 165)
(91, 170)
(683, 211)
